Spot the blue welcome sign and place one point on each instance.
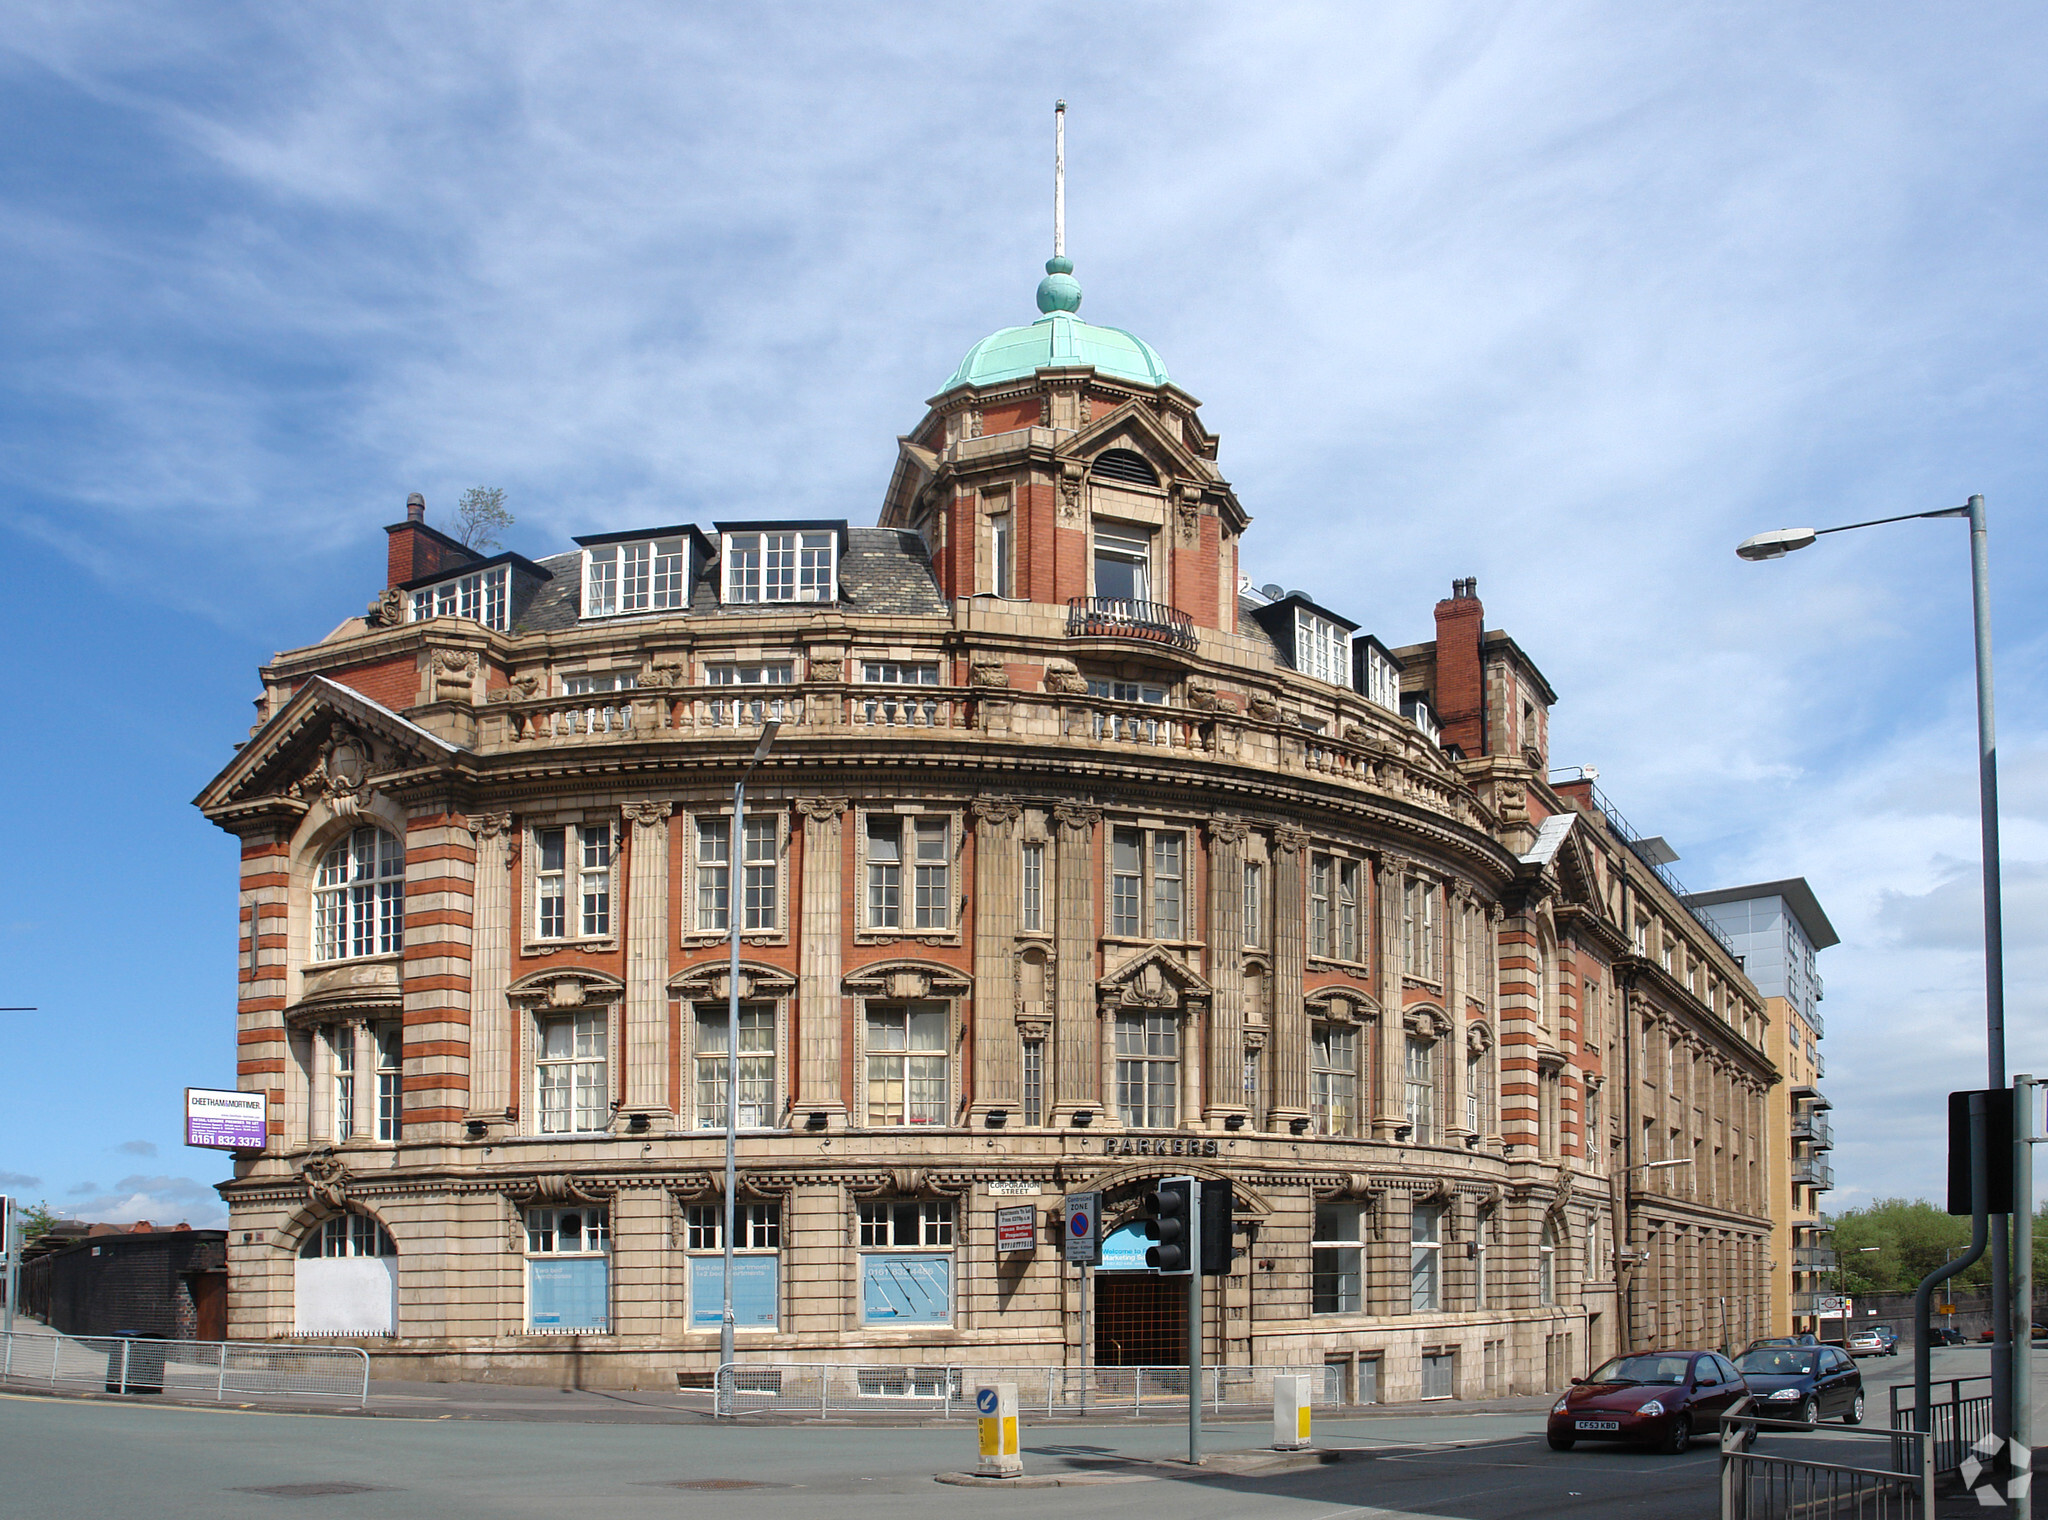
(1123, 1249)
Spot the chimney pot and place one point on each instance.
(415, 508)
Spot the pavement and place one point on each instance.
(452, 1451)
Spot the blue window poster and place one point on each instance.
(568, 1292)
(754, 1283)
(906, 1290)
(1123, 1250)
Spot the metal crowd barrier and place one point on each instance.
(1760, 1486)
(1958, 1420)
(823, 1390)
(217, 1370)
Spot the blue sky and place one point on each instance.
(1570, 297)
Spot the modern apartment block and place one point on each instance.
(1074, 862)
(1778, 929)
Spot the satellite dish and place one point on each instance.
(1271, 591)
(1302, 594)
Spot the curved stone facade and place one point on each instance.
(1046, 887)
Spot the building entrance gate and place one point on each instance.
(1140, 1320)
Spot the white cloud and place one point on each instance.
(19, 1180)
(1569, 297)
(160, 1200)
(137, 1147)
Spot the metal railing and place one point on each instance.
(1760, 1486)
(1121, 617)
(1813, 1259)
(1634, 840)
(1815, 1170)
(217, 1370)
(1959, 1420)
(824, 1390)
(1813, 1125)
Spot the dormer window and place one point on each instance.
(1379, 677)
(481, 595)
(650, 575)
(780, 567)
(1321, 648)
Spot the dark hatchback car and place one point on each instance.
(1806, 1384)
(1652, 1398)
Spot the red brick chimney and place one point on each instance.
(1460, 683)
(416, 550)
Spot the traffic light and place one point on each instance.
(1169, 1221)
(1216, 1228)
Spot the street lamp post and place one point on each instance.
(2005, 1396)
(735, 913)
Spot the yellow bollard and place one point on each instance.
(1001, 1456)
(1290, 1412)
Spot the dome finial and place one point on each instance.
(1059, 290)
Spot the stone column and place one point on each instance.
(1225, 1093)
(320, 1126)
(998, 893)
(490, 1016)
(647, 962)
(1289, 1050)
(1389, 1094)
(363, 1090)
(1076, 1081)
(821, 931)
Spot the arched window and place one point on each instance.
(347, 1235)
(1125, 467)
(1546, 1265)
(359, 897)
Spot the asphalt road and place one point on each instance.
(65, 1457)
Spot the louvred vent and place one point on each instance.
(1126, 468)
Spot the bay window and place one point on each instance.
(359, 897)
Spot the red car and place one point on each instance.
(1652, 1398)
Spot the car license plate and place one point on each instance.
(1599, 1425)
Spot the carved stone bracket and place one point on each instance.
(1288, 840)
(996, 810)
(985, 668)
(326, 1178)
(489, 825)
(822, 808)
(1224, 829)
(557, 1188)
(1064, 677)
(387, 608)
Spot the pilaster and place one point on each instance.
(490, 1016)
(1289, 1053)
(647, 1095)
(820, 1018)
(998, 889)
(1076, 1035)
(1225, 1088)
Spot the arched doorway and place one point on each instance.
(1141, 1318)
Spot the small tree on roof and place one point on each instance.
(480, 517)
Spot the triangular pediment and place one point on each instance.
(1137, 427)
(1153, 978)
(327, 740)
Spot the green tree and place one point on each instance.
(36, 1220)
(1912, 1238)
(480, 516)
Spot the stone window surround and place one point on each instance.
(315, 835)
(693, 938)
(868, 934)
(1347, 1008)
(546, 994)
(705, 985)
(894, 982)
(530, 944)
(792, 655)
(1191, 902)
(1336, 854)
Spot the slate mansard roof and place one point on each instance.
(882, 571)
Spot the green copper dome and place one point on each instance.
(1057, 340)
